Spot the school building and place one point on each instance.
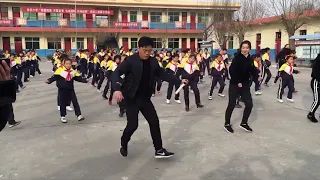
(269, 32)
(83, 24)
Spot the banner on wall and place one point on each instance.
(62, 22)
(6, 22)
(104, 23)
(67, 11)
(144, 24)
(125, 24)
(178, 24)
(21, 21)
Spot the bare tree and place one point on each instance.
(102, 37)
(293, 14)
(250, 10)
(164, 40)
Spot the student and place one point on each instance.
(96, 69)
(35, 61)
(257, 64)
(106, 88)
(201, 64)
(281, 59)
(129, 53)
(266, 63)
(111, 69)
(207, 59)
(102, 71)
(158, 82)
(189, 70)
(27, 67)
(285, 73)
(225, 58)
(315, 89)
(242, 69)
(172, 69)
(83, 63)
(65, 78)
(218, 69)
(16, 71)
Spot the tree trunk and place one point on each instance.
(291, 42)
(241, 38)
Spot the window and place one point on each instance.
(218, 17)
(303, 32)
(203, 17)
(30, 16)
(173, 43)
(157, 42)
(4, 13)
(80, 43)
(79, 17)
(230, 42)
(155, 16)
(32, 43)
(16, 9)
(173, 16)
(133, 16)
(53, 16)
(134, 43)
(54, 43)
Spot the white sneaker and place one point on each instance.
(178, 101)
(258, 93)
(99, 91)
(63, 119)
(192, 91)
(210, 97)
(80, 118)
(221, 95)
(58, 107)
(168, 101)
(31, 76)
(280, 100)
(290, 100)
(69, 108)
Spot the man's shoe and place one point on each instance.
(63, 119)
(238, 106)
(200, 106)
(312, 118)
(228, 128)
(187, 108)
(124, 151)
(245, 127)
(15, 124)
(122, 113)
(163, 153)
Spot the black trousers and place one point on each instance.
(90, 69)
(193, 85)
(106, 88)
(234, 93)
(145, 106)
(32, 67)
(266, 73)
(84, 68)
(65, 96)
(315, 89)
(215, 80)
(256, 84)
(37, 67)
(4, 115)
(283, 84)
(58, 100)
(170, 89)
(202, 67)
(157, 85)
(207, 63)
(19, 78)
(26, 71)
(122, 105)
(95, 75)
(11, 120)
(101, 79)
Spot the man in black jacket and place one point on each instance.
(7, 96)
(315, 89)
(140, 71)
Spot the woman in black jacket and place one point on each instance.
(242, 69)
(315, 89)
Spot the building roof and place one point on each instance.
(177, 4)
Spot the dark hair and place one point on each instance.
(288, 57)
(267, 49)
(156, 55)
(175, 55)
(256, 56)
(117, 56)
(67, 59)
(224, 49)
(192, 55)
(217, 55)
(245, 42)
(145, 41)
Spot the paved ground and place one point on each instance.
(284, 145)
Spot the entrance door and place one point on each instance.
(184, 44)
(192, 44)
(90, 45)
(67, 44)
(89, 20)
(6, 43)
(124, 18)
(192, 20)
(18, 44)
(125, 44)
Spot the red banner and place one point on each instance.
(125, 24)
(6, 22)
(69, 11)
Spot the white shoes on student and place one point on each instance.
(258, 93)
(64, 120)
(290, 100)
(221, 95)
(68, 108)
(177, 101)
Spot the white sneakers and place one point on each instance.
(210, 97)
(67, 108)
(80, 118)
(290, 100)
(177, 101)
(64, 120)
(258, 93)
(221, 95)
(280, 100)
(99, 91)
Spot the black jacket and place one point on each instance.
(132, 69)
(7, 97)
(242, 69)
(316, 68)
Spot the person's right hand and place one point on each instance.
(118, 96)
(47, 81)
(4, 71)
(240, 85)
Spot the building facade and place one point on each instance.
(84, 24)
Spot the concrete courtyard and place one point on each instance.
(284, 144)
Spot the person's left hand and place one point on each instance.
(4, 71)
(185, 81)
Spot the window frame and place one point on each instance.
(157, 43)
(203, 18)
(133, 43)
(173, 43)
(80, 43)
(79, 17)
(35, 42)
(30, 15)
(56, 42)
(173, 17)
(133, 16)
(157, 16)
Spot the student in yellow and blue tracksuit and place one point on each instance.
(218, 70)
(65, 78)
(27, 67)
(83, 63)
(102, 72)
(266, 63)
(189, 70)
(111, 69)
(96, 69)
(257, 64)
(16, 68)
(108, 84)
(285, 73)
(172, 68)
(158, 82)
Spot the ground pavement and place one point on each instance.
(284, 144)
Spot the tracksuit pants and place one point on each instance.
(170, 89)
(234, 93)
(194, 87)
(215, 80)
(145, 106)
(66, 96)
(157, 85)
(315, 89)
(266, 73)
(283, 84)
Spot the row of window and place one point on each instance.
(53, 43)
